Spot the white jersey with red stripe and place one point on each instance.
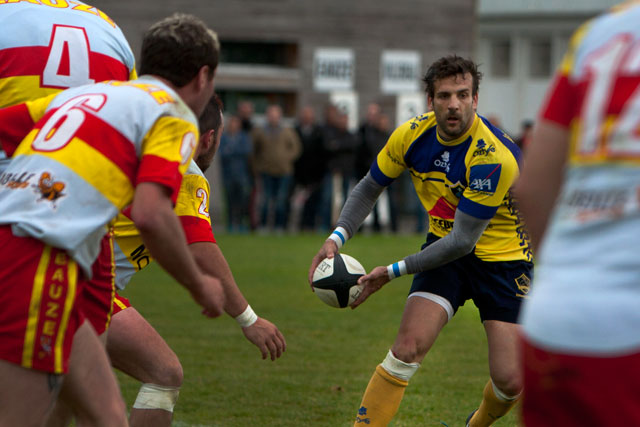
(588, 262)
(90, 146)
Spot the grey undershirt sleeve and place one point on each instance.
(359, 204)
(460, 241)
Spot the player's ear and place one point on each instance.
(207, 139)
(203, 76)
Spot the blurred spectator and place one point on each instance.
(341, 145)
(245, 112)
(525, 134)
(310, 168)
(235, 152)
(275, 149)
(369, 140)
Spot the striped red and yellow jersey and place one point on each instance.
(90, 146)
(473, 173)
(192, 209)
(47, 46)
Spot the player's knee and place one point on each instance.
(409, 350)
(507, 387)
(171, 374)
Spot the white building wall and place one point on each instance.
(517, 97)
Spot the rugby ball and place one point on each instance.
(335, 280)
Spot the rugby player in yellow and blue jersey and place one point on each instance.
(462, 168)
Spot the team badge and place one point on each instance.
(523, 282)
(49, 188)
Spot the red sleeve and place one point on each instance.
(561, 103)
(15, 124)
(197, 229)
(161, 171)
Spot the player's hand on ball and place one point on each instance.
(328, 250)
(371, 283)
(210, 295)
(266, 336)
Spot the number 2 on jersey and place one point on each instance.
(204, 208)
(68, 60)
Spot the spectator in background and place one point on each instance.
(245, 111)
(525, 134)
(372, 136)
(341, 145)
(275, 149)
(310, 167)
(235, 153)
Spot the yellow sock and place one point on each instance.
(491, 408)
(381, 399)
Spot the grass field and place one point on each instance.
(331, 353)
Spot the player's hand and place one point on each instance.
(328, 250)
(210, 295)
(371, 283)
(266, 336)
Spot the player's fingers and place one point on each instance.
(273, 349)
(279, 348)
(264, 350)
(281, 338)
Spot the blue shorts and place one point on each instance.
(496, 288)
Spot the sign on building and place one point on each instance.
(333, 69)
(347, 103)
(409, 105)
(400, 71)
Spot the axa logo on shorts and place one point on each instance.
(443, 161)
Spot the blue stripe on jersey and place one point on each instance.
(515, 150)
(379, 177)
(476, 209)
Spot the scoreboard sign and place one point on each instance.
(399, 71)
(333, 69)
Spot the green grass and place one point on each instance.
(330, 355)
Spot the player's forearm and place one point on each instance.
(466, 232)
(359, 204)
(211, 261)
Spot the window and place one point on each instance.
(501, 58)
(540, 59)
(259, 53)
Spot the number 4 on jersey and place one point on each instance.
(68, 60)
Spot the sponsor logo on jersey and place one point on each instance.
(482, 149)
(485, 178)
(457, 189)
(523, 282)
(15, 181)
(443, 161)
(49, 188)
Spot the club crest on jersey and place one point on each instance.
(523, 282)
(49, 188)
(485, 178)
(443, 161)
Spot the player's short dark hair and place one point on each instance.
(177, 47)
(448, 66)
(211, 117)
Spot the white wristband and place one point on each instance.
(247, 318)
(339, 236)
(397, 269)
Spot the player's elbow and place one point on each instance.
(147, 221)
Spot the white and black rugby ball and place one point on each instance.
(335, 280)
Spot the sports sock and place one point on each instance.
(492, 406)
(381, 399)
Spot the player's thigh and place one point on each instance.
(138, 350)
(26, 394)
(422, 321)
(503, 339)
(90, 388)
